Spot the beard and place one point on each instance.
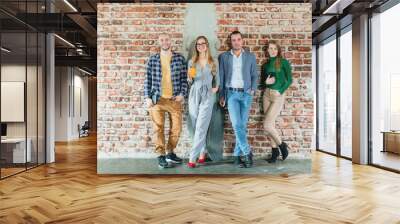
(236, 48)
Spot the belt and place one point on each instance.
(236, 89)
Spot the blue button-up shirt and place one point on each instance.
(237, 77)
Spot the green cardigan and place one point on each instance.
(283, 76)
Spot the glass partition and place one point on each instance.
(14, 153)
(22, 78)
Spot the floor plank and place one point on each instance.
(70, 191)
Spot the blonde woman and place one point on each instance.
(204, 79)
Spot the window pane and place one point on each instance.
(327, 96)
(346, 93)
(385, 84)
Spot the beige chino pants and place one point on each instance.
(272, 102)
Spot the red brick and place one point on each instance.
(129, 35)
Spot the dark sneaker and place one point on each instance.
(237, 161)
(162, 162)
(172, 158)
(248, 160)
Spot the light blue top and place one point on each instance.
(202, 85)
(237, 77)
(204, 76)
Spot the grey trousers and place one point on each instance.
(200, 111)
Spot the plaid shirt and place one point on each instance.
(152, 83)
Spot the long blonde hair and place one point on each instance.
(196, 54)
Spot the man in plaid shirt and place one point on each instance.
(165, 89)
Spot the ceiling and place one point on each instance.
(76, 21)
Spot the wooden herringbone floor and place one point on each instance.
(70, 191)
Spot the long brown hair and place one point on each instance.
(196, 54)
(279, 56)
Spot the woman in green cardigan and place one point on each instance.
(276, 77)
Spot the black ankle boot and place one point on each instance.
(248, 160)
(274, 156)
(237, 161)
(284, 150)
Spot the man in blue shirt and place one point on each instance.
(238, 83)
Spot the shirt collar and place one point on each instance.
(241, 52)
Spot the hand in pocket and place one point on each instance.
(149, 103)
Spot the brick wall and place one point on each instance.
(127, 36)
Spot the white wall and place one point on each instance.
(62, 81)
(9, 73)
(14, 72)
(81, 84)
(33, 127)
(17, 73)
(70, 83)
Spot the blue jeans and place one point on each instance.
(239, 104)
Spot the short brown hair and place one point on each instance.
(234, 33)
(229, 40)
